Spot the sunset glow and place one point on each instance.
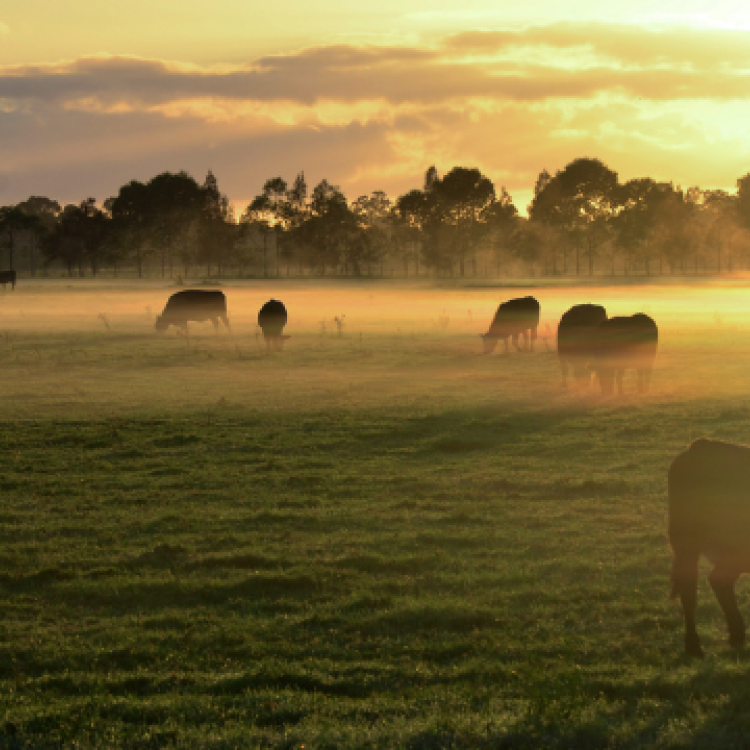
(369, 96)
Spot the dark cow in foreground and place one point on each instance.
(8, 277)
(194, 304)
(272, 318)
(576, 337)
(709, 514)
(514, 318)
(624, 343)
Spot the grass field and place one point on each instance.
(376, 540)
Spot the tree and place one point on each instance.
(463, 196)
(330, 231)
(374, 213)
(131, 214)
(216, 228)
(501, 220)
(410, 216)
(13, 223)
(80, 236)
(579, 201)
(175, 203)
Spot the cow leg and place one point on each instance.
(646, 379)
(514, 340)
(225, 320)
(618, 380)
(564, 373)
(722, 580)
(215, 324)
(685, 584)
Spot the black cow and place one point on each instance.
(576, 335)
(194, 304)
(624, 343)
(8, 277)
(272, 318)
(709, 514)
(514, 318)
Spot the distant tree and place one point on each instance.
(579, 200)
(42, 214)
(676, 233)
(374, 213)
(330, 233)
(448, 215)
(216, 229)
(14, 222)
(277, 211)
(410, 216)
(463, 197)
(175, 204)
(80, 236)
(725, 229)
(131, 216)
(501, 220)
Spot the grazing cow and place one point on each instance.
(194, 304)
(622, 343)
(576, 335)
(514, 318)
(8, 277)
(272, 318)
(709, 514)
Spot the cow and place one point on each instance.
(709, 515)
(194, 304)
(272, 318)
(8, 277)
(576, 334)
(624, 343)
(514, 318)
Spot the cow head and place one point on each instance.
(161, 325)
(488, 343)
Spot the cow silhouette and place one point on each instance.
(624, 343)
(709, 515)
(8, 277)
(194, 305)
(513, 319)
(272, 318)
(576, 339)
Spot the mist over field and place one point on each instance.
(89, 349)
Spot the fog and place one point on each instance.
(89, 349)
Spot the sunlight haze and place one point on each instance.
(368, 95)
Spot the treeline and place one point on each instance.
(582, 220)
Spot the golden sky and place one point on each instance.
(368, 94)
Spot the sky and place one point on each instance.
(368, 95)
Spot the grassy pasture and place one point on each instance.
(376, 540)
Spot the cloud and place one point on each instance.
(659, 101)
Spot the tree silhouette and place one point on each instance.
(579, 201)
(13, 223)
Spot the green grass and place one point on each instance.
(380, 541)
